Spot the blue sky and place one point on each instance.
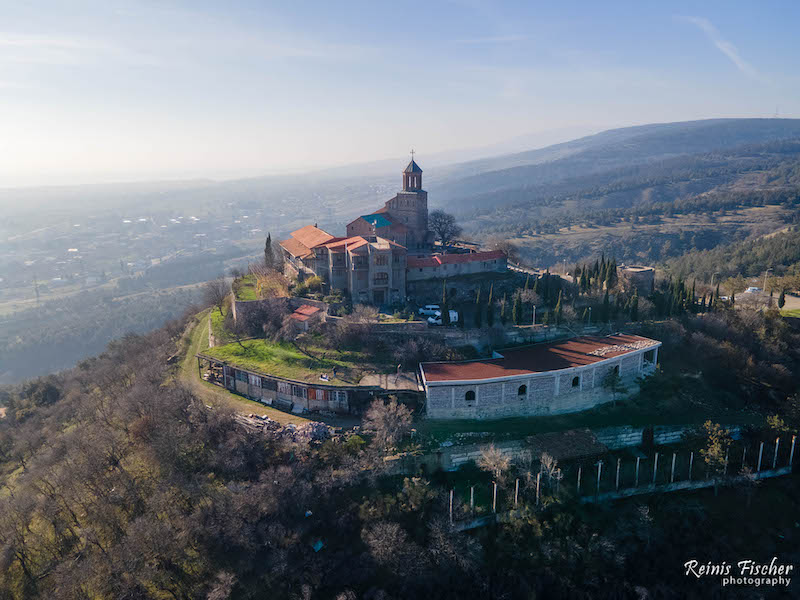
(103, 91)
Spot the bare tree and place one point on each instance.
(388, 422)
(216, 291)
(494, 461)
(501, 243)
(444, 227)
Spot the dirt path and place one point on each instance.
(195, 340)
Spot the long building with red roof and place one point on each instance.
(541, 379)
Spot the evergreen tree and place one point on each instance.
(634, 309)
(269, 255)
(612, 273)
(606, 311)
(546, 286)
(504, 310)
(782, 299)
(585, 316)
(490, 308)
(559, 310)
(703, 303)
(536, 286)
(733, 298)
(445, 308)
(516, 310)
(478, 309)
(546, 318)
(527, 280)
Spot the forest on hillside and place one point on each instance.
(118, 482)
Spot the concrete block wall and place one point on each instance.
(615, 438)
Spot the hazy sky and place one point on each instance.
(99, 91)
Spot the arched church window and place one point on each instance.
(469, 396)
(523, 390)
(576, 381)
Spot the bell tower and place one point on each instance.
(412, 176)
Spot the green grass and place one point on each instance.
(244, 288)
(284, 359)
(196, 340)
(791, 313)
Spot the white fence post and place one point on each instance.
(691, 462)
(617, 484)
(791, 454)
(638, 458)
(516, 493)
(775, 458)
(655, 468)
(599, 471)
(451, 507)
(579, 482)
(672, 471)
(760, 454)
(538, 481)
(494, 498)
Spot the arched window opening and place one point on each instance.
(522, 391)
(469, 396)
(576, 381)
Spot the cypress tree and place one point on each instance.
(782, 299)
(478, 309)
(269, 256)
(634, 310)
(733, 298)
(559, 310)
(490, 308)
(504, 310)
(527, 279)
(606, 308)
(516, 309)
(445, 305)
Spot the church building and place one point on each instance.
(382, 250)
(403, 219)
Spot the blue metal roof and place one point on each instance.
(379, 219)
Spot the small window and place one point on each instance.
(469, 396)
(576, 381)
(523, 390)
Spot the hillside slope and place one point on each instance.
(489, 183)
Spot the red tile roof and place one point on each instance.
(352, 243)
(295, 248)
(311, 236)
(304, 312)
(538, 358)
(422, 261)
(453, 259)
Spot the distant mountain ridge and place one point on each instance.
(481, 184)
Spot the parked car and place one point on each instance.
(437, 318)
(429, 310)
(752, 290)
